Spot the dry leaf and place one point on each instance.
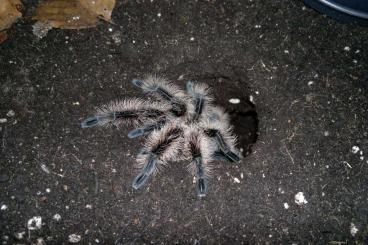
(102, 8)
(9, 13)
(73, 14)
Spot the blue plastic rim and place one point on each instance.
(352, 11)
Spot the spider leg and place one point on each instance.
(217, 127)
(130, 111)
(161, 146)
(200, 95)
(144, 175)
(199, 149)
(165, 91)
(225, 149)
(147, 129)
(201, 182)
(96, 120)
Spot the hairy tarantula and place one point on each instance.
(178, 126)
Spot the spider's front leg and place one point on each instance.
(162, 146)
(216, 126)
(130, 111)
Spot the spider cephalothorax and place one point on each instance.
(178, 126)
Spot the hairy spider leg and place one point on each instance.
(158, 152)
(147, 129)
(144, 175)
(224, 151)
(199, 100)
(130, 116)
(200, 94)
(131, 111)
(98, 120)
(231, 156)
(201, 182)
(166, 92)
(198, 149)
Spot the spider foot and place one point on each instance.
(201, 187)
(144, 175)
(96, 120)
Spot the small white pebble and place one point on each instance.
(234, 101)
(286, 205)
(353, 229)
(192, 39)
(97, 241)
(300, 199)
(20, 235)
(361, 152)
(326, 133)
(281, 190)
(361, 158)
(310, 83)
(257, 26)
(251, 99)
(34, 223)
(236, 180)
(45, 168)
(355, 149)
(74, 238)
(76, 103)
(89, 206)
(40, 241)
(3, 120)
(263, 176)
(241, 175)
(57, 217)
(257, 92)
(133, 41)
(347, 48)
(159, 15)
(110, 29)
(286, 51)
(10, 113)
(4, 207)
(357, 51)
(48, 190)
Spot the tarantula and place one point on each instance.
(178, 126)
